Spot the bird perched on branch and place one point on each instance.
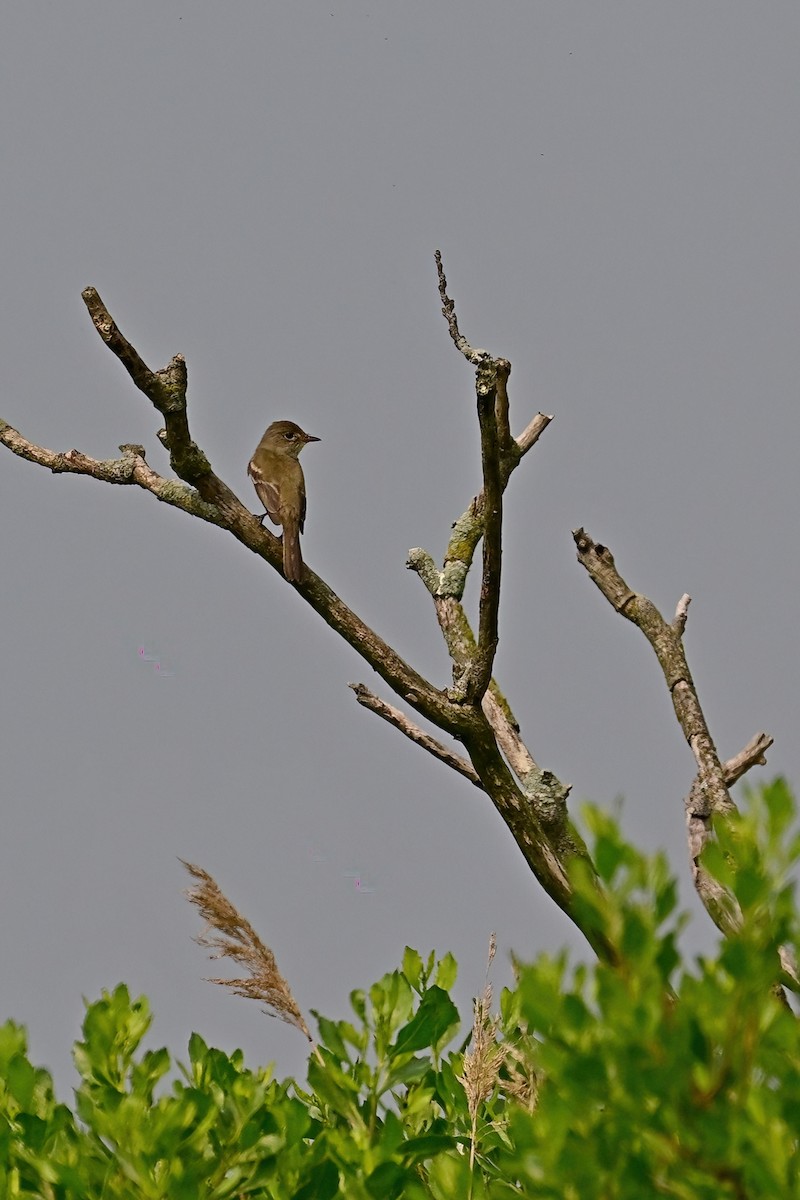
(278, 479)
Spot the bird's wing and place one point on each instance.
(267, 492)
(303, 509)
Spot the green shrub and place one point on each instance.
(651, 1077)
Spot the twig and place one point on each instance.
(719, 903)
(681, 615)
(130, 469)
(467, 531)
(754, 754)
(165, 389)
(407, 727)
(532, 432)
(666, 642)
(709, 793)
(480, 670)
(501, 719)
(507, 445)
(472, 355)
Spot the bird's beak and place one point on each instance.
(308, 437)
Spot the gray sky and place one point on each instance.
(261, 187)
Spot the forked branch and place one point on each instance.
(709, 793)
(667, 643)
(400, 721)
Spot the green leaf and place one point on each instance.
(387, 1181)
(321, 1183)
(331, 1037)
(197, 1049)
(358, 1003)
(420, 1149)
(446, 971)
(13, 1041)
(608, 854)
(412, 968)
(334, 1086)
(435, 1016)
(449, 1177)
(21, 1078)
(780, 805)
(408, 1071)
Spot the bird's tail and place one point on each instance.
(292, 558)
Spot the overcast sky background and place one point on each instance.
(261, 187)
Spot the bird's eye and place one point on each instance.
(289, 437)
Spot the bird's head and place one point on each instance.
(284, 437)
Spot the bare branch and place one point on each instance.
(506, 730)
(468, 529)
(421, 561)
(668, 647)
(721, 906)
(681, 615)
(547, 851)
(532, 432)
(431, 702)
(147, 381)
(460, 641)
(480, 670)
(543, 790)
(166, 390)
(400, 721)
(709, 793)
(449, 313)
(507, 445)
(754, 754)
(130, 469)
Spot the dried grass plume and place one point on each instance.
(230, 935)
(492, 1063)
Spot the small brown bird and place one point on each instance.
(278, 479)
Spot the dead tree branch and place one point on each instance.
(131, 468)
(543, 791)
(480, 669)
(472, 355)
(407, 727)
(718, 902)
(709, 793)
(667, 643)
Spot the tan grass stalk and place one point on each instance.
(234, 937)
(485, 1058)
(488, 1058)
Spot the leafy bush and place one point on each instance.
(651, 1077)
